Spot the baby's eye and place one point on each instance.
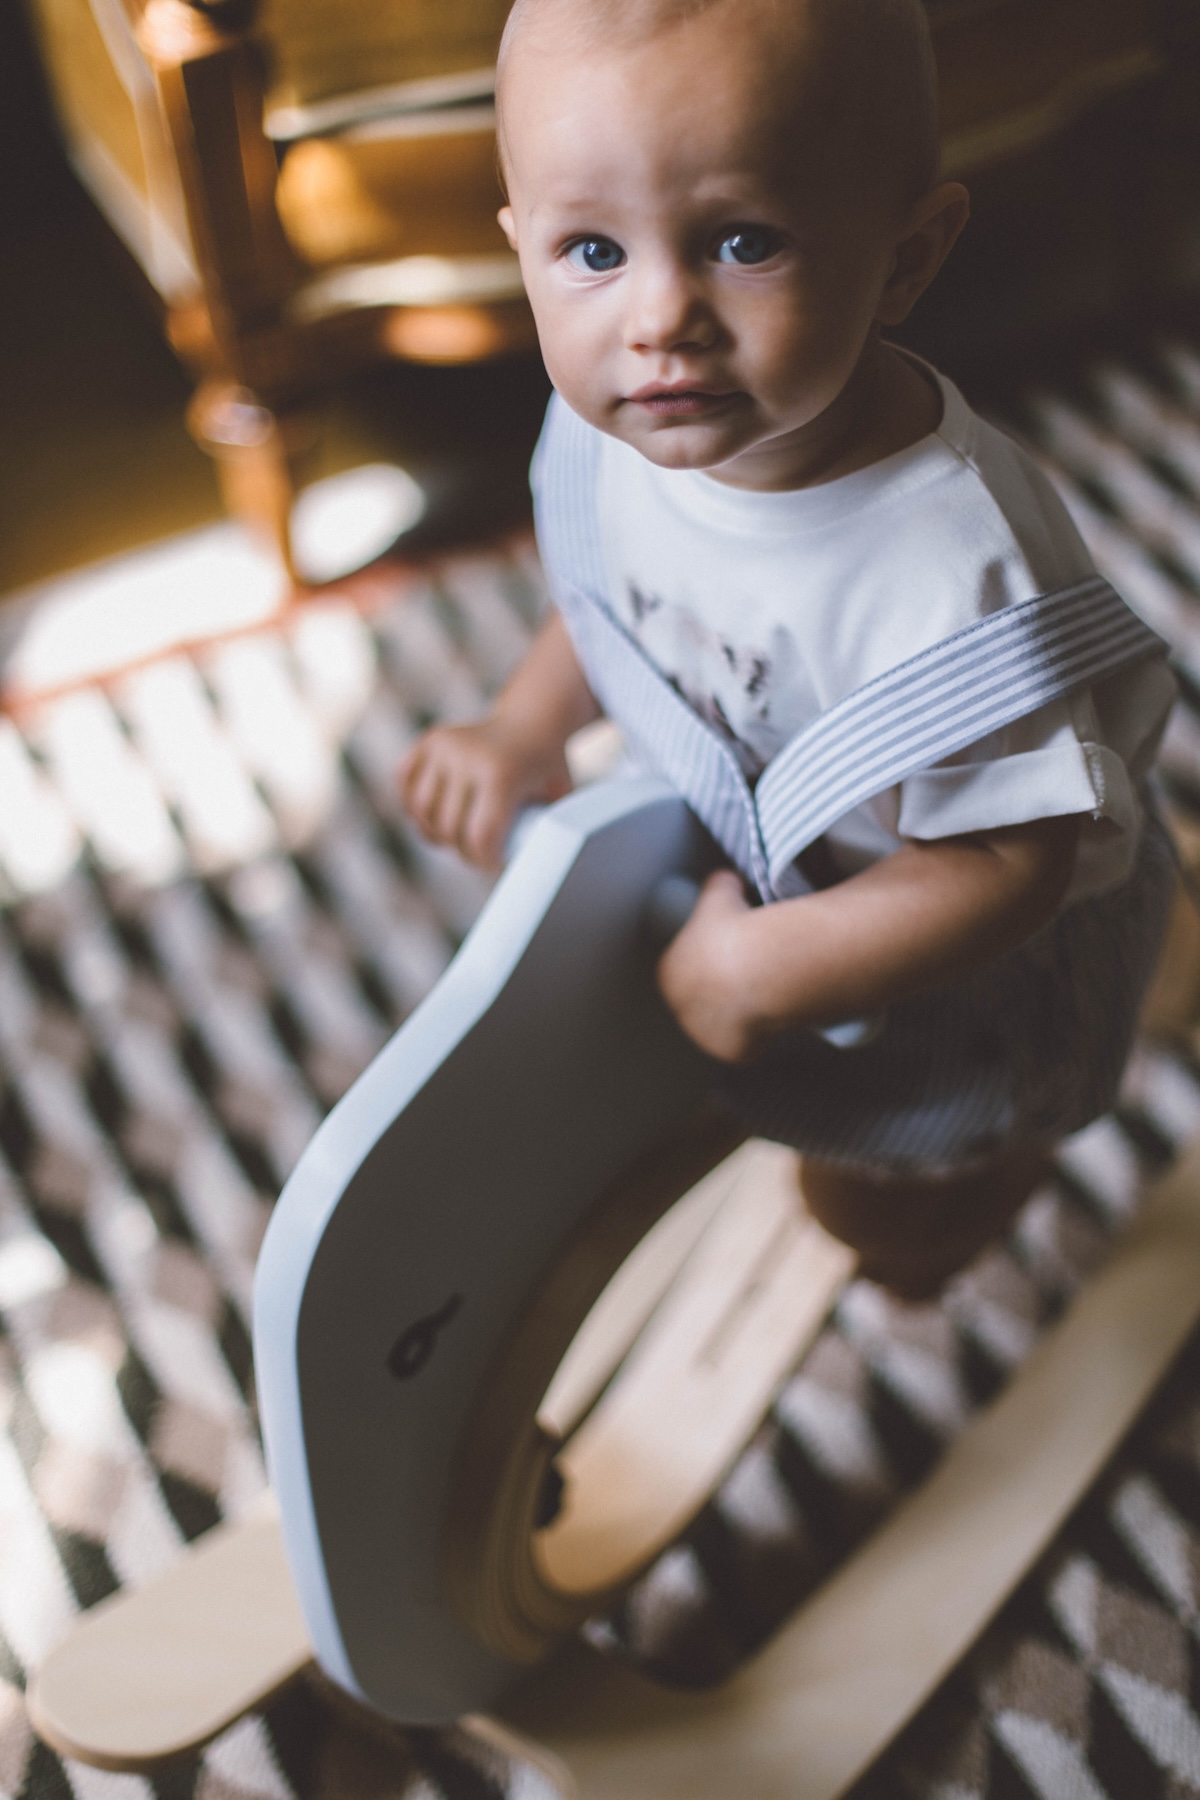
(598, 255)
(748, 244)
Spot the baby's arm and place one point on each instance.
(463, 783)
(737, 974)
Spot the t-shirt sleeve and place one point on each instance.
(1085, 755)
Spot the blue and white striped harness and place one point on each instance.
(958, 691)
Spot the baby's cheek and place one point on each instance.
(578, 350)
(574, 374)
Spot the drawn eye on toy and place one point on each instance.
(417, 1342)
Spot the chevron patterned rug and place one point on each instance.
(214, 915)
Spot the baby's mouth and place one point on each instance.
(679, 402)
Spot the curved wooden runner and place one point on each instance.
(831, 1691)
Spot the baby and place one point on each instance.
(751, 506)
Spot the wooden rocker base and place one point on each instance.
(157, 1671)
(152, 1673)
(810, 1715)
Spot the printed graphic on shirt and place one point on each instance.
(730, 685)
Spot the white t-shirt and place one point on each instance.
(764, 609)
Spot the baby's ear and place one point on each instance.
(508, 225)
(925, 242)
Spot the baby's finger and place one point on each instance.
(424, 795)
(453, 800)
(409, 758)
(408, 769)
(485, 827)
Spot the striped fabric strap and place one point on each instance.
(958, 691)
(667, 736)
(657, 723)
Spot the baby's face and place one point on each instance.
(702, 274)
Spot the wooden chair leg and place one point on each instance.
(255, 452)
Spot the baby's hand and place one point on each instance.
(702, 973)
(462, 784)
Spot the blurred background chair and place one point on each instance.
(311, 184)
(308, 186)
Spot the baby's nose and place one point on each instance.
(668, 310)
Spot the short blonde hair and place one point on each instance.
(877, 53)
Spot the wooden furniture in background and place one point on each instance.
(311, 184)
(292, 235)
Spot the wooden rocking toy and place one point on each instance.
(522, 1301)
